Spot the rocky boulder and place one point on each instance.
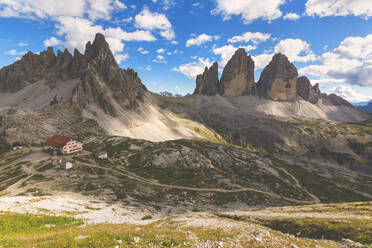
(208, 82)
(238, 76)
(306, 91)
(278, 80)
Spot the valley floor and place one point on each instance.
(112, 203)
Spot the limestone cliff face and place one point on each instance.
(238, 76)
(208, 83)
(306, 91)
(278, 80)
(103, 82)
(31, 68)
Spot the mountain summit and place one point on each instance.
(95, 75)
(279, 81)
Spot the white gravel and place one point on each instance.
(93, 211)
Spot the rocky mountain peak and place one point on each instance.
(306, 91)
(99, 47)
(278, 80)
(208, 82)
(238, 75)
(103, 82)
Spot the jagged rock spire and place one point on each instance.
(278, 79)
(208, 82)
(238, 75)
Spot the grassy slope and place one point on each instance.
(244, 231)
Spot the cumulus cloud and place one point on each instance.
(76, 21)
(78, 31)
(52, 41)
(201, 39)
(256, 37)
(191, 70)
(121, 57)
(33, 9)
(226, 52)
(350, 62)
(356, 47)
(324, 8)
(291, 16)
(349, 94)
(14, 52)
(160, 50)
(160, 59)
(155, 21)
(143, 51)
(296, 50)
(249, 10)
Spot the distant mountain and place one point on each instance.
(366, 108)
(166, 93)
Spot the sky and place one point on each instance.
(169, 42)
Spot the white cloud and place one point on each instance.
(201, 39)
(160, 59)
(78, 31)
(121, 57)
(296, 50)
(52, 41)
(262, 60)
(146, 68)
(191, 70)
(356, 47)
(349, 94)
(75, 21)
(166, 4)
(143, 51)
(160, 50)
(33, 9)
(291, 16)
(155, 21)
(102, 9)
(324, 8)
(14, 52)
(249, 10)
(256, 37)
(129, 19)
(351, 62)
(228, 51)
(23, 44)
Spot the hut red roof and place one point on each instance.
(58, 141)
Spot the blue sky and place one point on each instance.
(168, 42)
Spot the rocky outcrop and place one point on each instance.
(31, 68)
(306, 91)
(278, 79)
(208, 82)
(103, 82)
(238, 76)
(56, 100)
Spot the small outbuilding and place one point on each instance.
(101, 154)
(64, 164)
(17, 146)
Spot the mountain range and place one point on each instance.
(279, 140)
